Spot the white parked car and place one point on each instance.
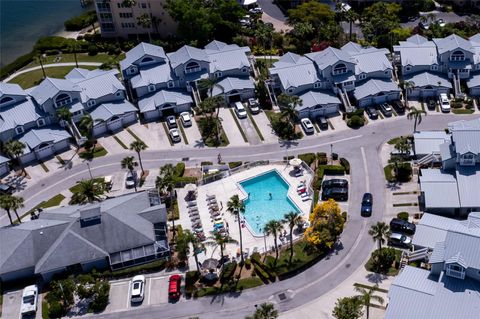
(256, 10)
(444, 102)
(171, 122)
(186, 119)
(138, 288)
(29, 300)
(131, 179)
(307, 126)
(240, 110)
(175, 135)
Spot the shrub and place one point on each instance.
(403, 216)
(179, 169)
(345, 216)
(333, 169)
(19, 63)
(262, 274)
(100, 297)
(234, 164)
(54, 43)
(92, 50)
(79, 22)
(206, 163)
(227, 272)
(356, 121)
(308, 158)
(191, 277)
(357, 112)
(404, 172)
(182, 181)
(334, 156)
(381, 260)
(322, 158)
(346, 164)
(55, 309)
(248, 264)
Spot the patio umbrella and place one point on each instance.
(210, 276)
(210, 263)
(190, 187)
(295, 162)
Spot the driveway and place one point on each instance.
(11, 304)
(153, 134)
(231, 129)
(273, 14)
(193, 135)
(265, 127)
(250, 131)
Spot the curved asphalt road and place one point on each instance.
(360, 147)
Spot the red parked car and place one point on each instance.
(174, 287)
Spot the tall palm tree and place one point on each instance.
(6, 203)
(288, 105)
(236, 207)
(40, 60)
(90, 191)
(145, 22)
(407, 86)
(264, 311)
(64, 114)
(86, 124)
(191, 238)
(129, 163)
(165, 184)
(367, 296)
(17, 203)
(416, 115)
(14, 150)
(274, 227)
(379, 232)
(139, 146)
(219, 240)
(292, 218)
(351, 16)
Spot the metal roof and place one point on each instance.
(185, 54)
(99, 84)
(468, 180)
(452, 42)
(445, 151)
(466, 136)
(371, 60)
(372, 87)
(424, 79)
(139, 51)
(233, 83)
(417, 50)
(473, 81)
(4, 159)
(106, 111)
(435, 184)
(310, 99)
(463, 240)
(50, 87)
(302, 72)
(21, 113)
(159, 73)
(428, 142)
(35, 137)
(227, 60)
(158, 99)
(432, 229)
(11, 89)
(329, 57)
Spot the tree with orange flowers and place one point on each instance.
(326, 224)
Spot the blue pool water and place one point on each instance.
(259, 207)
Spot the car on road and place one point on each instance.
(174, 287)
(440, 22)
(400, 240)
(256, 10)
(307, 126)
(240, 110)
(386, 109)
(29, 300)
(372, 112)
(186, 119)
(336, 182)
(175, 135)
(138, 289)
(444, 103)
(131, 179)
(402, 226)
(336, 193)
(171, 122)
(254, 105)
(367, 205)
(322, 122)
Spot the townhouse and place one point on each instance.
(357, 75)
(165, 84)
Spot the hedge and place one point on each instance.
(179, 169)
(19, 63)
(322, 158)
(262, 274)
(191, 277)
(261, 270)
(181, 181)
(234, 164)
(346, 164)
(136, 270)
(308, 158)
(227, 272)
(403, 216)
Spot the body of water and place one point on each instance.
(22, 22)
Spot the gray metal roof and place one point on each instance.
(35, 137)
(216, 46)
(428, 142)
(99, 84)
(435, 184)
(329, 57)
(140, 51)
(473, 81)
(369, 60)
(372, 87)
(417, 39)
(451, 43)
(289, 59)
(417, 50)
(158, 99)
(466, 136)
(432, 229)
(468, 180)
(11, 89)
(463, 243)
(234, 83)
(475, 38)
(185, 54)
(50, 87)
(312, 98)
(227, 60)
(21, 113)
(4, 159)
(424, 79)
(352, 47)
(438, 254)
(106, 111)
(445, 151)
(295, 71)
(415, 294)
(154, 75)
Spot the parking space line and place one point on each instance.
(365, 167)
(128, 294)
(149, 289)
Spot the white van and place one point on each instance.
(240, 110)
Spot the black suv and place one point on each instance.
(336, 193)
(367, 203)
(339, 183)
(372, 112)
(402, 226)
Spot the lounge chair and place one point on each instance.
(194, 218)
(306, 198)
(210, 197)
(193, 209)
(214, 207)
(193, 214)
(197, 224)
(192, 203)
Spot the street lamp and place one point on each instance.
(331, 153)
(89, 171)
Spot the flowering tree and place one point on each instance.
(326, 223)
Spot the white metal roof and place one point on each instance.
(428, 142)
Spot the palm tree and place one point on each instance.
(264, 311)
(191, 238)
(6, 203)
(219, 240)
(407, 85)
(288, 105)
(351, 16)
(129, 163)
(291, 218)
(236, 207)
(40, 60)
(139, 146)
(379, 232)
(145, 22)
(86, 124)
(17, 203)
(366, 296)
(14, 149)
(165, 184)
(89, 191)
(64, 114)
(416, 115)
(274, 227)
(209, 85)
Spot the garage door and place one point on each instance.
(100, 129)
(380, 99)
(115, 125)
(365, 102)
(27, 158)
(45, 151)
(129, 117)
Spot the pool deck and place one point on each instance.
(226, 188)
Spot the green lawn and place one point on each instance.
(462, 111)
(76, 188)
(54, 201)
(99, 152)
(32, 78)
(81, 57)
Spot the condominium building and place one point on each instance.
(118, 20)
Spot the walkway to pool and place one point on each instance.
(226, 188)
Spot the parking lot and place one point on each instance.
(12, 303)
(231, 129)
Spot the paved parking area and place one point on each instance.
(111, 145)
(152, 134)
(250, 131)
(337, 122)
(230, 127)
(119, 298)
(344, 206)
(11, 304)
(157, 288)
(193, 134)
(265, 127)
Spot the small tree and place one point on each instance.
(348, 308)
(6, 203)
(139, 146)
(264, 311)
(15, 149)
(292, 218)
(274, 227)
(219, 240)
(408, 85)
(236, 207)
(90, 191)
(145, 22)
(165, 184)
(379, 232)
(326, 224)
(416, 115)
(367, 296)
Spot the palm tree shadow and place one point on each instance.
(288, 143)
(199, 144)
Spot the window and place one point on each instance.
(6, 100)
(91, 103)
(119, 93)
(170, 84)
(133, 70)
(340, 69)
(218, 74)
(387, 72)
(434, 67)
(125, 15)
(77, 113)
(151, 88)
(408, 68)
(467, 159)
(103, 6)
(144, 5)
(362, 76)
(128, 25)
(147, 60)
(192, 67)
(463, 70)
(63, 99)
(290, 90)
(347, 83)
(244, 69)
(457, 56)
(316, 85)
(455, 270)
(40, 122)
(19, 130)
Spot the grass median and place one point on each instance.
(255, 125)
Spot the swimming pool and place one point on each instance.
(260, 207)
